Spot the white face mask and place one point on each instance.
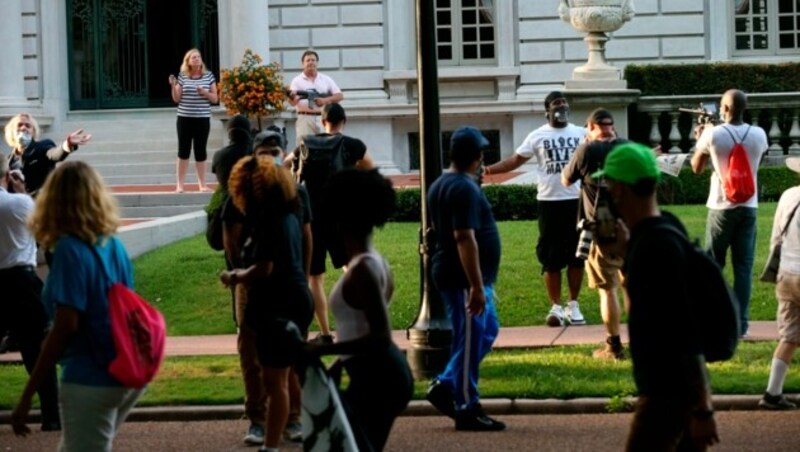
(24, 138)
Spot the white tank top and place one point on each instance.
(352, 323)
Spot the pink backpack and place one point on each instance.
(138, 331)
(738, 183)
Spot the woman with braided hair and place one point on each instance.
(277, 292)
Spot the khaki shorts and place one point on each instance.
(787, 291)
(605, 272)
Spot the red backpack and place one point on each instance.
(138, 331)
(738, 183)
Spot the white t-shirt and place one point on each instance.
(17, 246)
(553, 148)
(324, 85)
(717, 143)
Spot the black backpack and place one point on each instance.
(713, 300)
(319, 157)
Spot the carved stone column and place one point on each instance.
(794, 133)
(775, 135)
(674, 134)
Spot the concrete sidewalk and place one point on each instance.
(509, 338)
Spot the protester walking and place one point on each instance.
(674, 410)
(76, 217)
(380, 380)
(272, 272)
(464, 267)
(786, 238)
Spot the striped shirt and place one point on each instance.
(192, 104)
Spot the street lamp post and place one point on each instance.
(431, 332)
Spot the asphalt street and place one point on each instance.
(739, 431)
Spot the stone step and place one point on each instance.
(159, 211)
(162, 199)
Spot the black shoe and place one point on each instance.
(51, 426)
(475, 420)
(775, 402)
(441, 397)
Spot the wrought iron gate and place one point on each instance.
(121, 51)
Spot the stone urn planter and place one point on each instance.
(596, 18)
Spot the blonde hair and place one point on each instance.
(11, 129)
(73, 201)
(185, 69)
(257, 183)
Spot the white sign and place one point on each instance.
(671, 163)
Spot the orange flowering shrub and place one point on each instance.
(252, 89)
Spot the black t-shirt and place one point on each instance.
(589, 158)
(284, 293)
(665, 346)
(224, 160)
(457, 202)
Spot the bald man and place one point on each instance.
(731, 224)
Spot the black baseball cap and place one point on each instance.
(551, 97)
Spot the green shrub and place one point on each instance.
(518, 202)
(712, 78)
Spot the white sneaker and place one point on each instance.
(573, 312)
(556, 316)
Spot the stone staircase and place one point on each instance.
(135, 152)
(136, 147)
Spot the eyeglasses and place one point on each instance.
(606, 123)
(25, 124)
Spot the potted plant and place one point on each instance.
(252, 88)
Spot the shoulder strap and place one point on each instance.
(789, 221)
(732, 136)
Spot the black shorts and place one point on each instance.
(321, 247)
(558, 235)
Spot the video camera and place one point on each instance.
(706, 113)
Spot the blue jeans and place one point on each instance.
(735, 228)
(473, 337)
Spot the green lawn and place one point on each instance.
(181, 278)
(558, 372)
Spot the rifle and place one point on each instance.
(706, 114)
(310, 94)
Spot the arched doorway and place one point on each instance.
(121, 52)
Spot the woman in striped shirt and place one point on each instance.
(194, 90)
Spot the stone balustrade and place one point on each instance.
(776, 113)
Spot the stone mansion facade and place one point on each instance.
(103, 64)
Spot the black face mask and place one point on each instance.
(559, 115)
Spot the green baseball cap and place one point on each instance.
(630, 162)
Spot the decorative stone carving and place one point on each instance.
(596, 18)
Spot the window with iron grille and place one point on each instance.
(465, 32)
(766, 27)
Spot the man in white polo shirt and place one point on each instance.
(21, 309)
(309, 111)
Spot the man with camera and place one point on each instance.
(324, 89)
(731, 223)
(604, 270)
(21, 309)
(553, 145)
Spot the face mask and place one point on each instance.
(24, 139)
(479, 173)
(278, 160)
(560, 114)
